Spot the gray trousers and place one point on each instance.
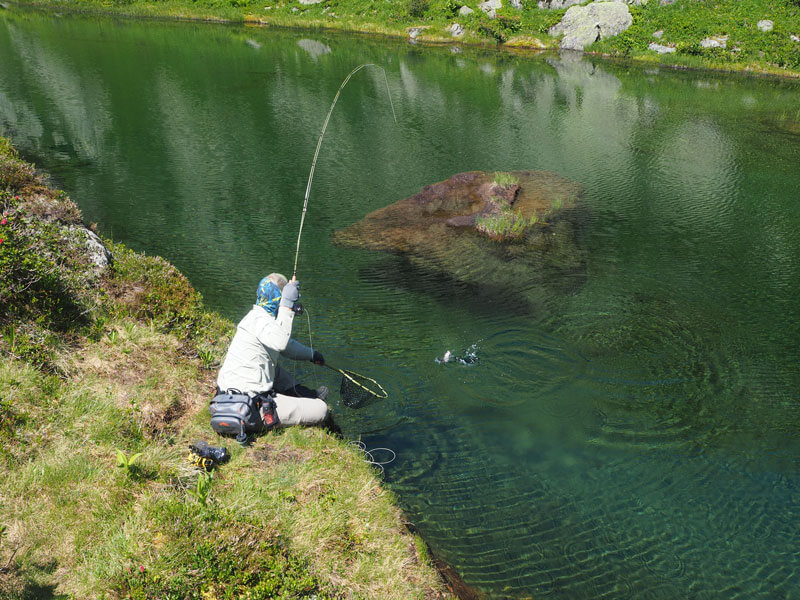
(293, 410)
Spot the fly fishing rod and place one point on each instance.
(319, 145)
(356, 389)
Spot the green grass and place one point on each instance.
(504, 224)
(97, 497)
(504, 179)
(685, 23)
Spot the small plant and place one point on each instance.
(126, 462)
(207, 357)
(130, 328)
(505, 179)
(202, 488)
(112, 336)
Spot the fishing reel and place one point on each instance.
(206, 457)
(298, 308)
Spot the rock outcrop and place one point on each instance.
(584, 25)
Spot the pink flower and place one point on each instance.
(1, 240)
(16, 197)
(4, 221)
(141, 568)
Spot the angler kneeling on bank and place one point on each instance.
(250, 367)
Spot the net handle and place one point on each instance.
(346, 373)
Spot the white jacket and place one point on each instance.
(249, 365)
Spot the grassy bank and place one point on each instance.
(105, 375)
(684, 25)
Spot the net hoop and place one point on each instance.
(351, 376)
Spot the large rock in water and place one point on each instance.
(443, 229)
(584, 25)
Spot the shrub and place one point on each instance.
(38, 262)
(417, 8)
(148, 287)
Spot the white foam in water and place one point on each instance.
(470, 356)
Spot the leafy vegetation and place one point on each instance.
(686, 23)
(103, 384)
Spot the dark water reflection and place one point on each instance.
(628, 434)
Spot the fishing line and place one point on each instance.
(319, 145)
(369, 456)
(356, 389)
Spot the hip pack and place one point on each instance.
(237, 414)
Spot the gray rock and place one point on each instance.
(307, 2)
(253, 44)
(556, 4)
(516, 4)
(465, 11)
(490, 7)
(658, 34)
(584, 25)
(98, 253)
(455, 49)
(765, 25)
(715, 41)
(661, 49)
(456, 30)
(665, 2)
(295, 9)
(414, 32)
(794, 38)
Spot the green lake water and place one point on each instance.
(629, 428)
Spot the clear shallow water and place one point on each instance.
(630, 429)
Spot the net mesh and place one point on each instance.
(358, 390)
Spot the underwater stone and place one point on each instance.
(438, 229)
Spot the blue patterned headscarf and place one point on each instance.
(268, 296)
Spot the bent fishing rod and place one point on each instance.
(319, 145)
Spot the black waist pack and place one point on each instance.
(237, 414)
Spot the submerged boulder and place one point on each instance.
(482, 228)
